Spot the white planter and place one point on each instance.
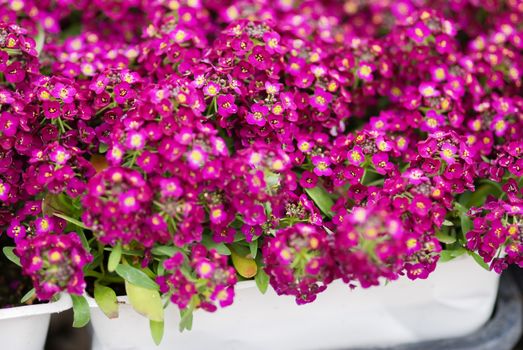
(457, 299)
(25, 327)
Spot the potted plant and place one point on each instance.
(182, 154)
(23, 320)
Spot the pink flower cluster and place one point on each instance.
(53, 261)
(299, 262)
(213, 281)
(351, 140)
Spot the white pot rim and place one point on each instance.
(63, 303)
(123, 298)
(242, 285)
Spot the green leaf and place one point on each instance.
(262, 281)
(39, 39)
(156, 331)
(272, 180)
(321, 198)
(57, 203)
(466, 223)
(253, 246)
(445, 238)
(146, 302)
(102, 148)
(28, 296)
(479, 260)
(136, 277)
(370, 176)
(105, 297)
(168, 251)
(448, 223)
(161, 269)
(85, 243)
(221, 248)
(187, 317)
(460, 207)
(81, 311)
(447, 255)
(478, 197)
(241, 247)
(114, 257)
(245, 266)
(71, 220)
(74, 27)
(268, 208)
(465, 198)
(133, 252)
(10, 254)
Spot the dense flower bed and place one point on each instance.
(199, 143)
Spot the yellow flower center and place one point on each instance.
(365, 71)
(440, 73)
(411, 243)
(129, 201)
(55, 256)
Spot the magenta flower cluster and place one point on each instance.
(53, 261)
(213, 280)
(347, 140)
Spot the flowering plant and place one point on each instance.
(170, 149)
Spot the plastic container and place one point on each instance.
(25, 327)
(501, 332)
(456, 300)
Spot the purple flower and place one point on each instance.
(416, 271)
(448, 153)
(226, 106)
(320, 100)
(428, 89)
(5, 189)
(418, 32)
(196, 158)
(420, 205)
(44, 225)
(129, 201)
(223, 295)
(365, 71)
(257, 115)
(272, 42)
(99, 84)
(8, 124)
(433, 121)
(54, 263)
(59, 155)
(356, 156)
(217, 215)
(321, 166)
(415, 176)
(298, 262)
(260, 58)
(381, 163)
(51, 109)
(204, 268)
(14, 73)
(171, 188)
(63, 92)
(308, 179)
(123, 92)
(211, 89)
(16, 230)
(135, 140)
